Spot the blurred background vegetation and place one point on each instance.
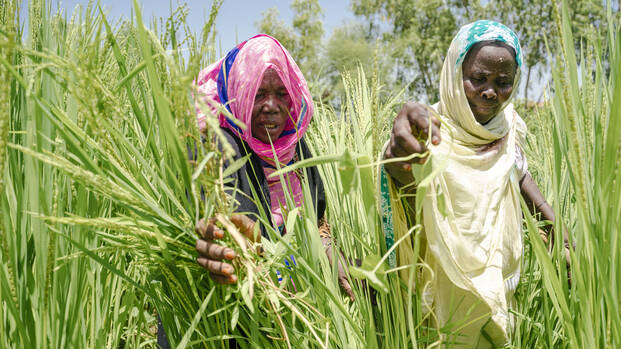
(405, 40)
(99, 200)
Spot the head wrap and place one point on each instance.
(233, 82)
(453, 102)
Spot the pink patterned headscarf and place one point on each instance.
(233, 82)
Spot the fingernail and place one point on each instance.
(233, 278)
(435, 140)
(407, 167)
(229, 255)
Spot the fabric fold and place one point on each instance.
(471, 214)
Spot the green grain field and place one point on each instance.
(99, 199)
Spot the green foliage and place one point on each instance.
(416, 35)
(99, 199)
(303, 38)
(347, 49)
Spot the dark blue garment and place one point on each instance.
(250, 177)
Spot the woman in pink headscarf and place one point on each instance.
(262, 87)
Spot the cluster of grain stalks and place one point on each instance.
(99, 201)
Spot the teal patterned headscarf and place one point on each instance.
(453, 105)
(485, 30)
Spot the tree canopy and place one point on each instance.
(412, 37)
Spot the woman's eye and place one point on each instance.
(259, 96)
(505, 83)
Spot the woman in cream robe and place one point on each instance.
(469, 189)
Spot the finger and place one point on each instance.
(403, 137)
(345, 286)
(399, 151)
(424, 127)
(208, 230)
(212, 232)
(400, 165)
(419, 149)
(224, 280)
(418, 116)
(436, 137)
(396, 150)
(214, 251)
(420, 122)
(244, 224)
(215, 267)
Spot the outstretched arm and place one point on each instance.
(326, 240)
(538, 206)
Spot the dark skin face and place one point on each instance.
(271, 108)
(488, 74)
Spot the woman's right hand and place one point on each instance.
(409, 132)
(213, 256)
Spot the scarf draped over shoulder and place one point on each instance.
(473, 236)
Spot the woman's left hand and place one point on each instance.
(341, 267)
(212, 256)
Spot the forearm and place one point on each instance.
(538, 206)
(536, 202)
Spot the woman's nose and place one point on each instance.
(488, 93)
(270, 104)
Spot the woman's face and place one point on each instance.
(271, 108)
(488, 75)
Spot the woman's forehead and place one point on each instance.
(271, 78)
(492, 56)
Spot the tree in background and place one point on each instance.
(303, 38)
(417, 33)
(346, 50)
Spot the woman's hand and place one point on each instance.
(212, 256)
(341, 267)
(409, 132)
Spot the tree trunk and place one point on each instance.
(526, 85)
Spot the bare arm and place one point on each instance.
(326, 240)
(538, 205)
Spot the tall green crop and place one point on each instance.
(578, 169)
(100, 199)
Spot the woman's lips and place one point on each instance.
(487, 106)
